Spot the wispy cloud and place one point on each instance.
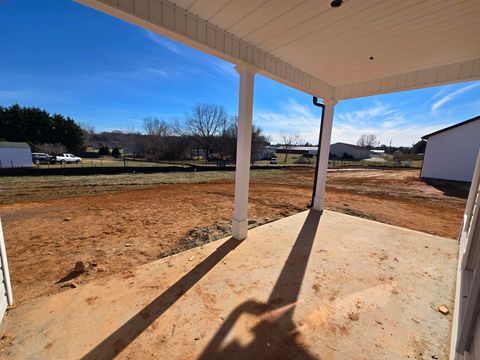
(162, 41)
(12, 94)
(223, 67)
(387, 122)
(449, 97)
(383, 120)
(293, 119)
(142, 74)
(207, 65)
(366, 115)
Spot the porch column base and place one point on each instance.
(318, 203)
(239, 229)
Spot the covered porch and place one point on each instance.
(312, 286)
(309, 286)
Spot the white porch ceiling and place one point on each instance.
(321, 50)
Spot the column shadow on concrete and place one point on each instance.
(275, 338)
(116, 342)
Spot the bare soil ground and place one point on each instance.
(116, 222)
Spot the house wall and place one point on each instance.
(451, 155)
(15, 157)
(339, 149)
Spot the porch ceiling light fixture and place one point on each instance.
(336, 3)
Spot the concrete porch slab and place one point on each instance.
(304, 287)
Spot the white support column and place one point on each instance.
(324, 154)
(4, 268)
(244, 144)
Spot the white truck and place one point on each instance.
(68, 158)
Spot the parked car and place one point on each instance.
(273, 160)
(68, 158)
(42, 158)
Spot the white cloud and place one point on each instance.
(294, 119)
(222, 67)
(400, 135)
(449, 97)
(380, 119)
(162, 41)
(364, 116)
(143, 74)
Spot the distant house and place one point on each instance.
(341, 150)
(451, 152)
(15, 154)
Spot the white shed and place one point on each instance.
(451, 152)
(15, 154)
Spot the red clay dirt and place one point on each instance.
(118, 230)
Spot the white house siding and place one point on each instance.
(451, 155)
(14, 155)
(339, 149)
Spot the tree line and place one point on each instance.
(370, 141)
(207, 132)
(38, 127)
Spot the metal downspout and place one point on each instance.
(316, 103)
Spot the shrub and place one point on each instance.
(103, 150)
(302, 160)
(116, 152)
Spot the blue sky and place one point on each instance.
(105, 73)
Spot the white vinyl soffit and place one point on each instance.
(364, 47)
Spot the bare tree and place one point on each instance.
(155, 143)
(88, 132)
(204, 124)
(156, 126)
(229, 140)
(368, 141)
(288, 142)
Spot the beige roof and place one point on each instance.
(321, 50)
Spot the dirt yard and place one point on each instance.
(113, 223)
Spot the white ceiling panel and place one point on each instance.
(316, 42)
